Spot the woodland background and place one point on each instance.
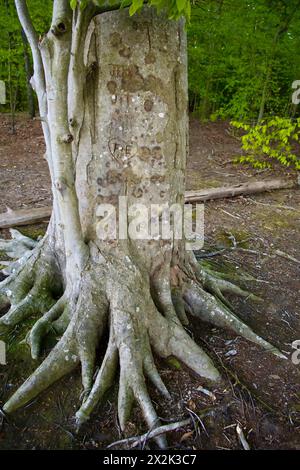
(243, 57)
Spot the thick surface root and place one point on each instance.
(32, 286)
(217, 283)
(144, 317)
(136, 327)
(61, 360)
(206, 307)
(18, 245)
(215, 309)
(77, 345)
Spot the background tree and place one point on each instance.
(112, 94)
(230, 51)
(29, 73)
(15, 57)
(243, 58)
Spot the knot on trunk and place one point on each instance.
(61, 184)
(66, 138)
(73, 122)
(59, 28)
(33, 83)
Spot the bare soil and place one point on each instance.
(259, 391)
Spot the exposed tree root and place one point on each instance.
(214, 308)
(143, 317)
(33, 285)
(78, 343)
(44, 325)
(206, 307)
(135, 328)
(217, 283)
(18, 245)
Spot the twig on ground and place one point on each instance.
(197, 417)
(135, 440)
(276, 206)
(286, 256)
(220, 252)
(242, 438)
(154, 433)
(206, 392)
(228, 213)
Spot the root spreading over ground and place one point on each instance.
(144, 317)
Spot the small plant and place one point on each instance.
(273, 139)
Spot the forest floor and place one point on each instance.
(260, 392)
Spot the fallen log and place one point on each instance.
(26, 216)
(239, 189)
(34, 215)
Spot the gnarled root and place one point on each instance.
(215, 309)
(18, 245)
(206, 307)
(217, 283)
(78, 343)
(136, 328)
(32, 286)
(143, 316)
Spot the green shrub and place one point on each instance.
(273, 139)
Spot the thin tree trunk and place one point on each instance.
(29, 73)
(284, 24)
(264, 95)
(12, 89)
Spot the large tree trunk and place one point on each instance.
(115, 125)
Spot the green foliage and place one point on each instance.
(73, 4)
(242, 53)
(81, 3)
(173, 8)
(273, 139)
(12, 69)
(238, 48)
(135, 6)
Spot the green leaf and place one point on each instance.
(181, 5)
(73, 4)
(135, 6)
(188, 10)
(125, 3)
(173, 362)
(83, 4)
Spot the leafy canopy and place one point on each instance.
(174, 8)
(12, 67)
(241, 52)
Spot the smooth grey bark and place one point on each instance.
(29, 73)
(133, 139)
(113, 94)
(12, 89)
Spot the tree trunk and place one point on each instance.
(12, 87)
(115, 125)
(264, 95)
(285, 21)
(28, 71)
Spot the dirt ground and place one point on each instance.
(259, 392)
